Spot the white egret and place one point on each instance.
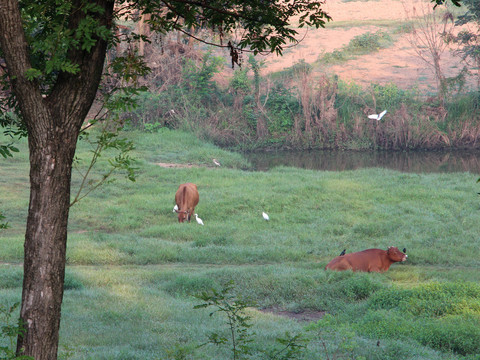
(198, 219)
(216, 162)
(265, 216)
(377, 116)
(175, 208)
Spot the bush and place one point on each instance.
(359, 287)
(390, 97)
(368, 42)
(459, 334)
(432, 300)
(292, 72)
(385, 324)
(335, 57)
(359, 45)
(443, 316)
(240, 81)
(197, 79)
(154, 111)
(282, 107)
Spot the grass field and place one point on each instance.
(133, 271)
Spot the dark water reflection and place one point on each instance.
(413, 161)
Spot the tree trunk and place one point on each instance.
(53, 124)
(45, 243)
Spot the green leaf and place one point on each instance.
(32, 74)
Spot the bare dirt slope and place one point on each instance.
(398, 64)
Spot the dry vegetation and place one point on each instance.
(382, 55)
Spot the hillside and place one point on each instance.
(398, 63)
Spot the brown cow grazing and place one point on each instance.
(186, 199)
(377, 260)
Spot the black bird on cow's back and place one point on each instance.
(404, 250)
(343, 252)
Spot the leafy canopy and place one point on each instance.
(266, 24)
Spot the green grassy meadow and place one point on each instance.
(133, 271)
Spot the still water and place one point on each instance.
(412, 161)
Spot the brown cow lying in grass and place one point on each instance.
(377, 260)
(186, 199)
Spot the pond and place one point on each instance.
(411, 161)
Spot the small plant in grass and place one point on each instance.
(3, 225)
(239, 335)
(291, 347)
(153, 128)
(238, 323)
(10, 331)
(180, 352)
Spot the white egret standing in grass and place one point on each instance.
(216, 162)
(175, 208)
(265, 216)
(198, 219)
(377, 116)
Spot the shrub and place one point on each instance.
(198, 79)
(282, 107)
(359, 45)
(154, 111)
(240, 81)
(359, 287)
(431, 300)
(390, 96)
(458, 334)
(443, 316)
(2, 224)
(368, 42)
(384, 324)
(335, 57)
(292, 72)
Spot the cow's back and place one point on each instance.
(366, 260)
(186, 195)
(186, 199)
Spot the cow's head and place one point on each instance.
(395, 254)
(183, 215)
